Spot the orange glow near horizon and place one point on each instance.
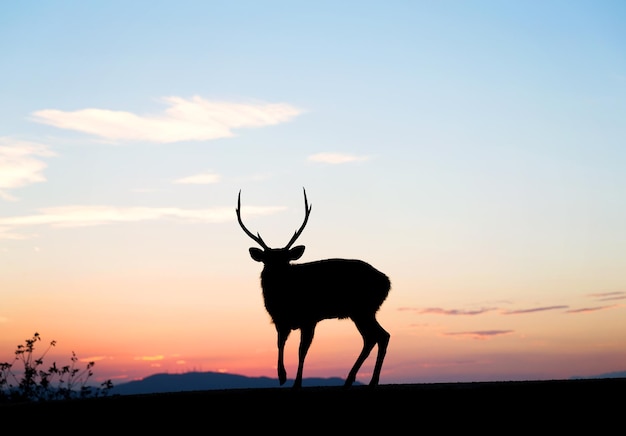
(438, 347)
(142, 319)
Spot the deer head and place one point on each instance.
(275, 256)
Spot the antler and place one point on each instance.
(256, 238)
(307, 212)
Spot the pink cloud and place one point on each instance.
(591, 309)
(480, 334)
(440, 311)
(609, 296)
(533, 309)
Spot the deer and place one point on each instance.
(299, 295)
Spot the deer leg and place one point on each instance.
(283, 334)
(368, 344)
(382, 339)
(372, 334)
(306, 337)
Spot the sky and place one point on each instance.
(473, 151)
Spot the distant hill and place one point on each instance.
(617, 374)
(201, 381)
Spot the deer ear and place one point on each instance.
(296, 252)
(257, 254)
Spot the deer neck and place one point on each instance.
(276, 276)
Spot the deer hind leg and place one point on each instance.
(306, 337)
(283, 334)
(382, 340)
(373, 334)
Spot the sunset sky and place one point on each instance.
(474, 151)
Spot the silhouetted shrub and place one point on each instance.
(36, 384)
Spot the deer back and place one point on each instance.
(330, 288)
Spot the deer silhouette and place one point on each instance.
(298, 296)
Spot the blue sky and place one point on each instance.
(474, 151)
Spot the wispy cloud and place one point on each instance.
(480, 334)
(19, 165)
(440, 311)
(609, 296)
(193, 119)
(80, 216)
(150, 358)
(591, 309)
(456, 312)
(9, 233)
(533, 310)
(93, 359)
(199, 179)
(601, 296)
(336, 158)
(481, 311)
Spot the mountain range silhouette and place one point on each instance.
(200, 381)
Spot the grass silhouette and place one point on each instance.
(32, 383)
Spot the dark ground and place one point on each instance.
(596, 406)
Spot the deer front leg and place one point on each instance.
(283, 334)
(306, 337)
